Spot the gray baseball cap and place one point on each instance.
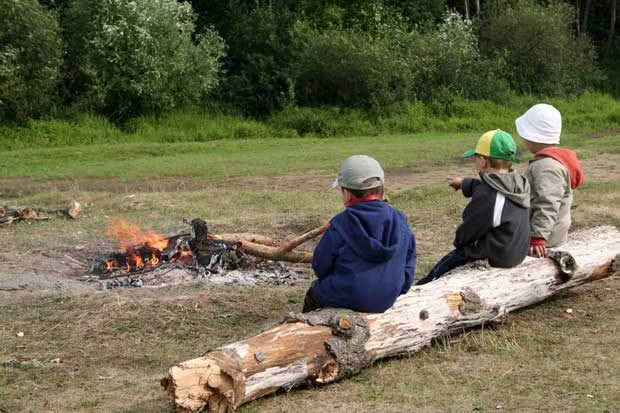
(356, 170)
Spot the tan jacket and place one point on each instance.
(551, 200)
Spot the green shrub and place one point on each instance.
(540, 47)
(323, 121)
(128, 58)
(257, 80)
(450, 65)
(358, 67)
(30, 60)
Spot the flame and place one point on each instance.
(111, 265)
(129, 235)
(138, 261)
(143, 248)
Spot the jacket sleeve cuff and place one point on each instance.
(538, 241)
(466, 187)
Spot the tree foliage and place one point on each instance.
(30, 60)
(363, 66)
(543, 53)
(126, 57)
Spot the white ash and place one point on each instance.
(267, 272)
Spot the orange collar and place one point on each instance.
(372, 197)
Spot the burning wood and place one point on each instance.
(199, 252)
(11, 214)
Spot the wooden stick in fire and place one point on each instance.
(292, 244)
(284, 252)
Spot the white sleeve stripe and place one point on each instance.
(500, 199)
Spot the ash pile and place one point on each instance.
(184, 258)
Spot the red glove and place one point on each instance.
(538, 247)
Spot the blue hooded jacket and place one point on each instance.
(365, 259)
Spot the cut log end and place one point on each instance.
(197, 384)
(73, 209)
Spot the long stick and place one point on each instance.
(292, 244)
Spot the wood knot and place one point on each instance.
(345, 323)
(471, 302)
(328, 372)
(424, 315)
(260, 356)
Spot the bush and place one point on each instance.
(354, 67)
(257, 78)
(542, 51)
(30, 60)
(322, 122)
(450, 65)
(128, 58)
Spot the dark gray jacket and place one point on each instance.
(496, 220)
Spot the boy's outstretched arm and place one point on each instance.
(455, 182)
(477, 215)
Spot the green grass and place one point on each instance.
(588, 112)
(257, 157)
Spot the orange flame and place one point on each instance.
(129, 235)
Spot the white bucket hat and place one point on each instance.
(356, 171)
(542, 123)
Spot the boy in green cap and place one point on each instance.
(496, 220)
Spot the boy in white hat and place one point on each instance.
(553, 174)
(366, 258)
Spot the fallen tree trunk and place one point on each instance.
(327, 345)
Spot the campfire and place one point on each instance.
(148, 258)
(141, 250)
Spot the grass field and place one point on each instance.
(106, 351)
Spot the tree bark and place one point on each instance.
(578, 16)
(326, 345)
(586, 14)
(612, 27)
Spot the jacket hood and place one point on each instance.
(368, 231)
(569, 159)
(512, 185)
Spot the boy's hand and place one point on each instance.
(538, 247)
(455, 183)
(538, 251)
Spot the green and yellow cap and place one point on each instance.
(495, 144)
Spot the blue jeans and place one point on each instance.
(454, 259)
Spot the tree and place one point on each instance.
(30, 60)
(126, 58)
(541, 48)
(612, 27)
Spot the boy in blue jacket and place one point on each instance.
(366, 258)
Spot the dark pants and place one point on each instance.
(311, 302)
(454, 259)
